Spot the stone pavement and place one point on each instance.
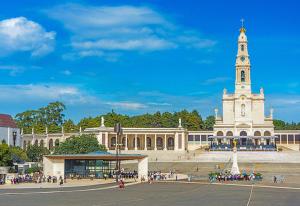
(162, 194)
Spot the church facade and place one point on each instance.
(243, 120)
(244, 111)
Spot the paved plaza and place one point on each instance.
(154, 194)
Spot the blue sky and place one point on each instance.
(137, 57)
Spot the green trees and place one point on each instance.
(70, 127)
(5, 155)
(35, 153)
(281, 125)
(18, 154)
(9, 154)
(79, 145)
(208, 124)
(51, 116)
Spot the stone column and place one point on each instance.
(155, 147)
(183, 140)
(165, 144)
(280, 139)
(176, 141)
(106, 140)
(145, 142)
(135, 142)
(294, 139)
(126, 143)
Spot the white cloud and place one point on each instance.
(127, 105)
(136, 44)
(104, 29)
(21, 34)
(36, 90)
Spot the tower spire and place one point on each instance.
(243, 28)
(243, 81)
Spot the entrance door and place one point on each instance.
(256, 141)
(244, 141)
(268, 141)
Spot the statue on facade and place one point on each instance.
(102, 122)
(179, 123)
(216, 113)
(261, 90)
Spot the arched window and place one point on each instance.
(267, 133)
(170, 142)
(220, 134)
(159, 142)
(242, 47)
(229, 134)
(243, 110)
(243, 133)
(113, 142)
(148, 142)
(257, 133)
(36, 142)
(50, 144)
(243, 76)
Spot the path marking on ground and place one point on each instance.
(250, 196)
(238, 185)
(66, 191)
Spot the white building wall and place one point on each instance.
(258, 112)
(228, 112)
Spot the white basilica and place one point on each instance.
(244, 111)
(243, 120)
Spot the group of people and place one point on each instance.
(222, 177)
(37, 177)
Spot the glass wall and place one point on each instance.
(88, 168)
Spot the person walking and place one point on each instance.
(275, 179)
(61, 181)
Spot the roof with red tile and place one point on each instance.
(7, 121)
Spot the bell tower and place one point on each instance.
(242, 64)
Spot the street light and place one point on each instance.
(119, 131)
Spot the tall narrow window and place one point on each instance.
(242, 47)
(243, 112)
(242, 76)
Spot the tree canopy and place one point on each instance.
(82, 144)
(10, 154)
(35, 153)
(51, 116)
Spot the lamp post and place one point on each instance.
(119, 131)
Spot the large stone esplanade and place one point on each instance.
(243, 119)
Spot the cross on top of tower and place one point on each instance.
(243, 28)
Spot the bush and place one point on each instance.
(33, 170)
